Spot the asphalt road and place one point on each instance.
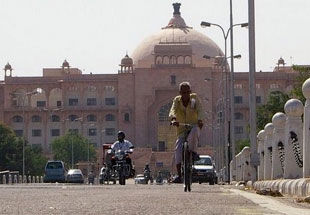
(128, 199)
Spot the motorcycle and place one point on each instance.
(121, 168)
(147, 176)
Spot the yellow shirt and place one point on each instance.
(190, 114)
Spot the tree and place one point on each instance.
(11, 151)
(304, 74)
(62, 149)
(240, 144)
(275, 103)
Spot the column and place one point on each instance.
(268, 150)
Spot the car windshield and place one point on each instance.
(203, 161)
(74, 171)
(54, 165)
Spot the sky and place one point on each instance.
(94, 35)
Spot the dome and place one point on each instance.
(278, 120)
(127, 61)
(65, 64)
(174, 34)
(8, 67)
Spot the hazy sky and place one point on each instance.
(94, 35)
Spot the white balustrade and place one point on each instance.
(293, 162)
(260, 150)
(269, 127)
(278, 154)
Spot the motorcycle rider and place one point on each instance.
(123, 145)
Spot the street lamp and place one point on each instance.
(231, 124)
(23, 96)
(72, 151)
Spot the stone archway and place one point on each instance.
(166, 134)
(162, 99)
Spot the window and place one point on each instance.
(74, 131)
(92, 132)
(238, 99)
(159, 60)
(73, 117)
(36, 118)
(257, 86)
(274, 86)
(180, 60)
(258, 99)
(126, 117)
(161, 146)
(110, 101)
(173, 60)
(55, 118)
(36, 132)
(109, 117)
(17, 119)
(188, 60)
(237, 86)
(41, 103)
(238, 130)
(91, 118)
(172, 79)
(110, 131)
(55, 132)
(19, 133)
(91, 101)
(238, 116)
(166, 60)
(73, 102)
(58, 103)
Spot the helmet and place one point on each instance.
(121, 133)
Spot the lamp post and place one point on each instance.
(23, 96)
(231, 128)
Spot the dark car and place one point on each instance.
(55, 172)
(204, 171)
(75, 176)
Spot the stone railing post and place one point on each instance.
(238, 167)
(268, 150)
(246, 173)
(260, 150)
(278, 155)
(306, 129)
(293, 162)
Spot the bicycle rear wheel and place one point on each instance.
(187, 168)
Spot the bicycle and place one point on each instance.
(187, 161)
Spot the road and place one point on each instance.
(138, 199)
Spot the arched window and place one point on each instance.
(188, 60)
(159, 60)
(73, 117)
(163, 113)
(36, 118)
(91, 118)
(109, 117)
(55, 118)
(180, 60)
(17, 118)
(173, 60)
(126, 117)
(166, 60)
(238, 116)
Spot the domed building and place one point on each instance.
(138, 98)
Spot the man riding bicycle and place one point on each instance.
(186, 109)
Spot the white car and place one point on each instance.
(139, 179)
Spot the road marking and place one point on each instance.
(270, 203)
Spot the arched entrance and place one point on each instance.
(166, 134)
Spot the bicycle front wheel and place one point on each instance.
(187, 168)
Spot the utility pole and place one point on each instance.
(252, 97)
